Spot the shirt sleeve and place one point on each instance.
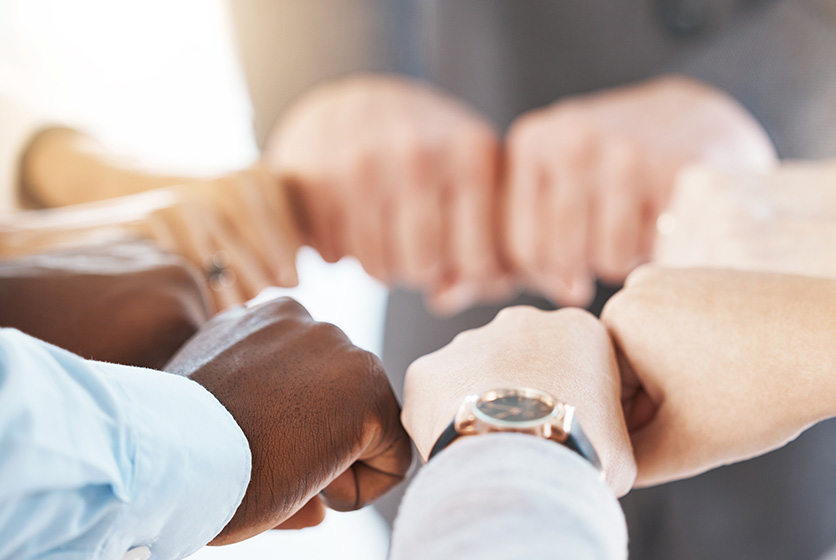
(502, 496)
(98, 459)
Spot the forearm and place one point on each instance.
(508, 496)
(62, 166)
(110, 457)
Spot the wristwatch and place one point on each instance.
(521, 410)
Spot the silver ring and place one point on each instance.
(217, 271)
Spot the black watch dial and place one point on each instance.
(515, 408)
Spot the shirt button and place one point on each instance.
(682, 18)
(138, 553)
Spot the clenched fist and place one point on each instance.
(400, 176)
(318, 413)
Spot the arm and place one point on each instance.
(478, 494)
(99, 458)
(535, 493)
(721, 366)
(243, 215)
(124, 303)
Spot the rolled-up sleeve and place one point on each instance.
(98, 459)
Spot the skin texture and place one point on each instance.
(566, 353)
(587, 177)
(720, 366)
(245, 214)
(319, 414)
(400, 176)
(129, 303)
(781, 221)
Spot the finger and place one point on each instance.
(248, 274)
(272, 234)
(378, 469)
(316, 209)
(366, 210)
(617, 217)
(311, 515)
(417, 222)
(524, 178)
(174, 228)
(473, 221)
(563, 246)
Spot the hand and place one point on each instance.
(401, 177)
(783, 221)
(318, 412)
(588, 177)
(127, 303)
(566, 353)
(720, 366)
(238, 228)
(240, 222)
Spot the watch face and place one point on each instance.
(515, 408)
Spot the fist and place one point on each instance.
(318, 412)
(399, 176)
(566, 353)
(588, 177)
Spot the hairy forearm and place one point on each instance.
(62, 166)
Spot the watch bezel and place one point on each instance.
(555, 425)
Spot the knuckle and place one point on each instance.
(642, 275)
(615, 309)
(517, 313)
(524, 133)
(580, 318)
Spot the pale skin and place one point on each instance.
(588, 176)
(424, 192)
(566, 353)
(400, 176)
(721, 366)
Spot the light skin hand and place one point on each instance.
(720, 366)
(566, 353)
(587, 177)
(318, 412)
(245, 214)
(400, 176)
(245, 218)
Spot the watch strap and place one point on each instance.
(580, 444)
(576, 441)
(446, 438)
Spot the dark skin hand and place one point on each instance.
(124, 303)
(318, 412)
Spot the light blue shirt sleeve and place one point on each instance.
(98, 459)
(501, 496)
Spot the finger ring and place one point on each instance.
(218, 272)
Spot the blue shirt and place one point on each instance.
(99, 459)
